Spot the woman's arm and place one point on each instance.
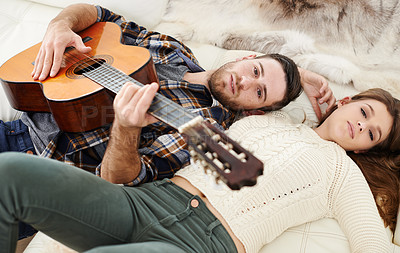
(355, 209)
(61, 34)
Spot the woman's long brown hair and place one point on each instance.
(382, 173)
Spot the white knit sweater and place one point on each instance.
(305, 178)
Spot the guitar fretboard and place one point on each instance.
(161, 107)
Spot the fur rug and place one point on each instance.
(352, 42)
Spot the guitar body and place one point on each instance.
(77, 103)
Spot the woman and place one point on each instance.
(307, 176)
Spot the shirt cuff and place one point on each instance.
(98, 170)
(141, 177)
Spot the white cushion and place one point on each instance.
(147, 13)
(20, 28)
(322, 236)
(42, 243)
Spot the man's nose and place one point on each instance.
(245, 82)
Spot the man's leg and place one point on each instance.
(70, 205)
(139, 247)
(14, 136)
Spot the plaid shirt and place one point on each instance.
(162, 148)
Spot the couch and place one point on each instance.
(23, 24)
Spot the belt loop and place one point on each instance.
(16, 125)
(213, 225)
(162, 182)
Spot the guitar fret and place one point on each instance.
(109, 79)
(167, 115)
(161, 107)
(173, 118)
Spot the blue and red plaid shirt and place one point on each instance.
(162, 148)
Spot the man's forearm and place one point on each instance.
(301, 72)
(121, 162)
(77, 16)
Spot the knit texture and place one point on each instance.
(305, 178)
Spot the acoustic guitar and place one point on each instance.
(80, 98)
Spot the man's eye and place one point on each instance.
(259, 93)
(363, 113)
(255, 70)
(371, 135)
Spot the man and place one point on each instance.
(249, 84)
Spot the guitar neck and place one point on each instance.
(161, 107)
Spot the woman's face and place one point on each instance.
(358, 125)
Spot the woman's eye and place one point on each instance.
(255, 70)
(371, 135)
(363, 113)
(259, 93)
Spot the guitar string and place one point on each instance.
(122, 75)
(183, 111)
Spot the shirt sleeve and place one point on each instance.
(163, 48)
(161, 158)
(357, 214)
(166, 155)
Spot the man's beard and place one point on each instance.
(217, 88)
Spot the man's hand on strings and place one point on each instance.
(132, 103)
(49, 59)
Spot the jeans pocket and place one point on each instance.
(14, 136)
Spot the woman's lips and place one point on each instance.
(350, 127)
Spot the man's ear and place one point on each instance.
(252, 56)
(344, 101)
(253, 112)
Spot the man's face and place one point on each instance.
(249, 83)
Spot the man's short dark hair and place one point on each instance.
(292, 78)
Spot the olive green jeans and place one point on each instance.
(88, 213)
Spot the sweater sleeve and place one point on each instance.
(358, 216)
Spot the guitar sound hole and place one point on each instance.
(88, 66)
(76, 70)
